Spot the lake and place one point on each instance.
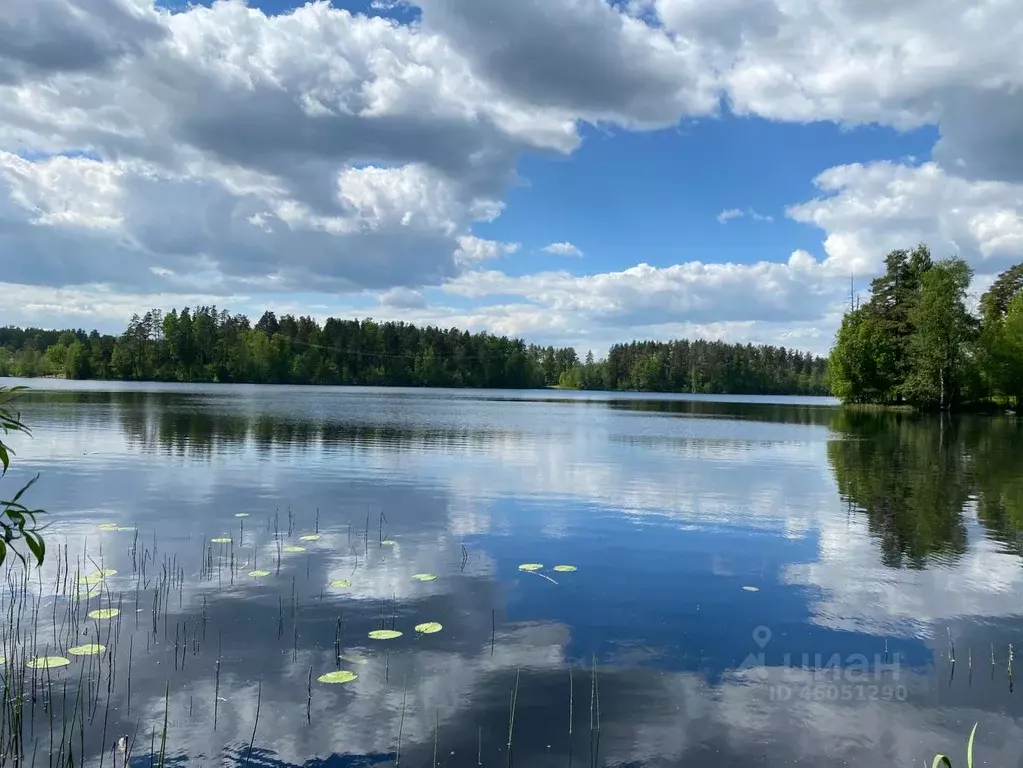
(757, 582)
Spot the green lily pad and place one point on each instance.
(429, 628)
(565, 568)
(340, 584)
(338, 676)
(115, 527)
(257, 574)
(221, 540)
(293, 548)
(424, 576)
(89, 649)
(530, 567)
(101, 574)
(384, 634)
(242, 514)
(104, 613)
(47, 662)
(91, 580)
(310, 537)
(387, 543)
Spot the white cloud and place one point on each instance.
(735, 213)
(562, 249)
(222, 152)
(474, 250)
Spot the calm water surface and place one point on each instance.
(725, 549)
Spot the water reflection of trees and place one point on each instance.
(914, 477)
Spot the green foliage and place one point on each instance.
(941, 337)
(17, 522)
(916, 342)
(204, 344)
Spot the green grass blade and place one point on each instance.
(969, 747)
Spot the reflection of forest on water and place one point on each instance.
(918, 478)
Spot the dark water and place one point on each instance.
(723, 548)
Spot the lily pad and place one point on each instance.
(338, 676)
(101, 574)
(530, 567)
(221, 540)
(89, 649)
(292, 548)
(115, 527)
(340, 584)
(565, 568)
(752, 589)
(429, 628)
(424, 576)
(310, 537)
(257, 574)
(47, 662)
(384, 634)
(91, 580)
(242, 514)
(387, 543)
(104, 613)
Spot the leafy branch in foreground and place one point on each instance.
(16, 520)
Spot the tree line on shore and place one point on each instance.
(917, 342)
(205, 344)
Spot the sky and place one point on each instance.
(573, 172)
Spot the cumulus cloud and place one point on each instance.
(226, 152)
(562, 249)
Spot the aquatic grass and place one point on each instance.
(944, 760)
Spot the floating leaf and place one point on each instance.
(221, 540)
(91, 580)
(530, 567)
(384, 634)
(428, 628)
(242, 514)
(258, 574)
(565, 568)
(3, 659)
(352, 658)
(47, 662)
(310, 537)
(108, 526)
(104, 613)
(424, 576)
(293, 548)
(338, 676)
(387, 543)
(341, 584)
(98, 575)
(89, 649)
(752, 589)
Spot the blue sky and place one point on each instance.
(569, 171)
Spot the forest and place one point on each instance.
(205, 344)
(917, 342)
